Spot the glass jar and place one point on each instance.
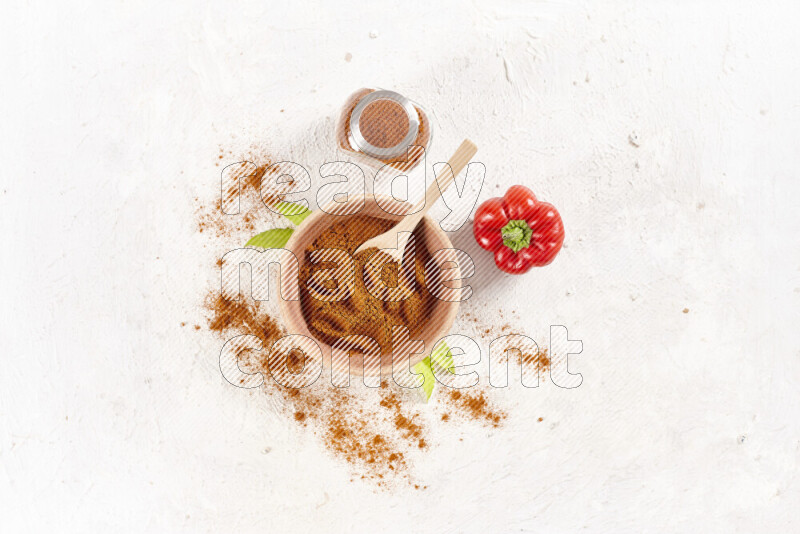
(381, 125)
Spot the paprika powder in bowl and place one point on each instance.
(345, 314)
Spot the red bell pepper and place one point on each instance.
(521, 231)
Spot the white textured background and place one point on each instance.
(112, 115)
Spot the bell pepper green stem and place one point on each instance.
(516, 235)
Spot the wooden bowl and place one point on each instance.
(442, 315)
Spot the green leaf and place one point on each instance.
(275, 238)
(440, 358)
(443, 358)
(424, 368)
(278, 237)
(294, 212)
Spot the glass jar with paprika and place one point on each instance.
(381, 125)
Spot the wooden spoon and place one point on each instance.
(387, 241)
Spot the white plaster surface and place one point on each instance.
(667, 134)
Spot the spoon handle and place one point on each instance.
(456, 164)
(388, 239)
